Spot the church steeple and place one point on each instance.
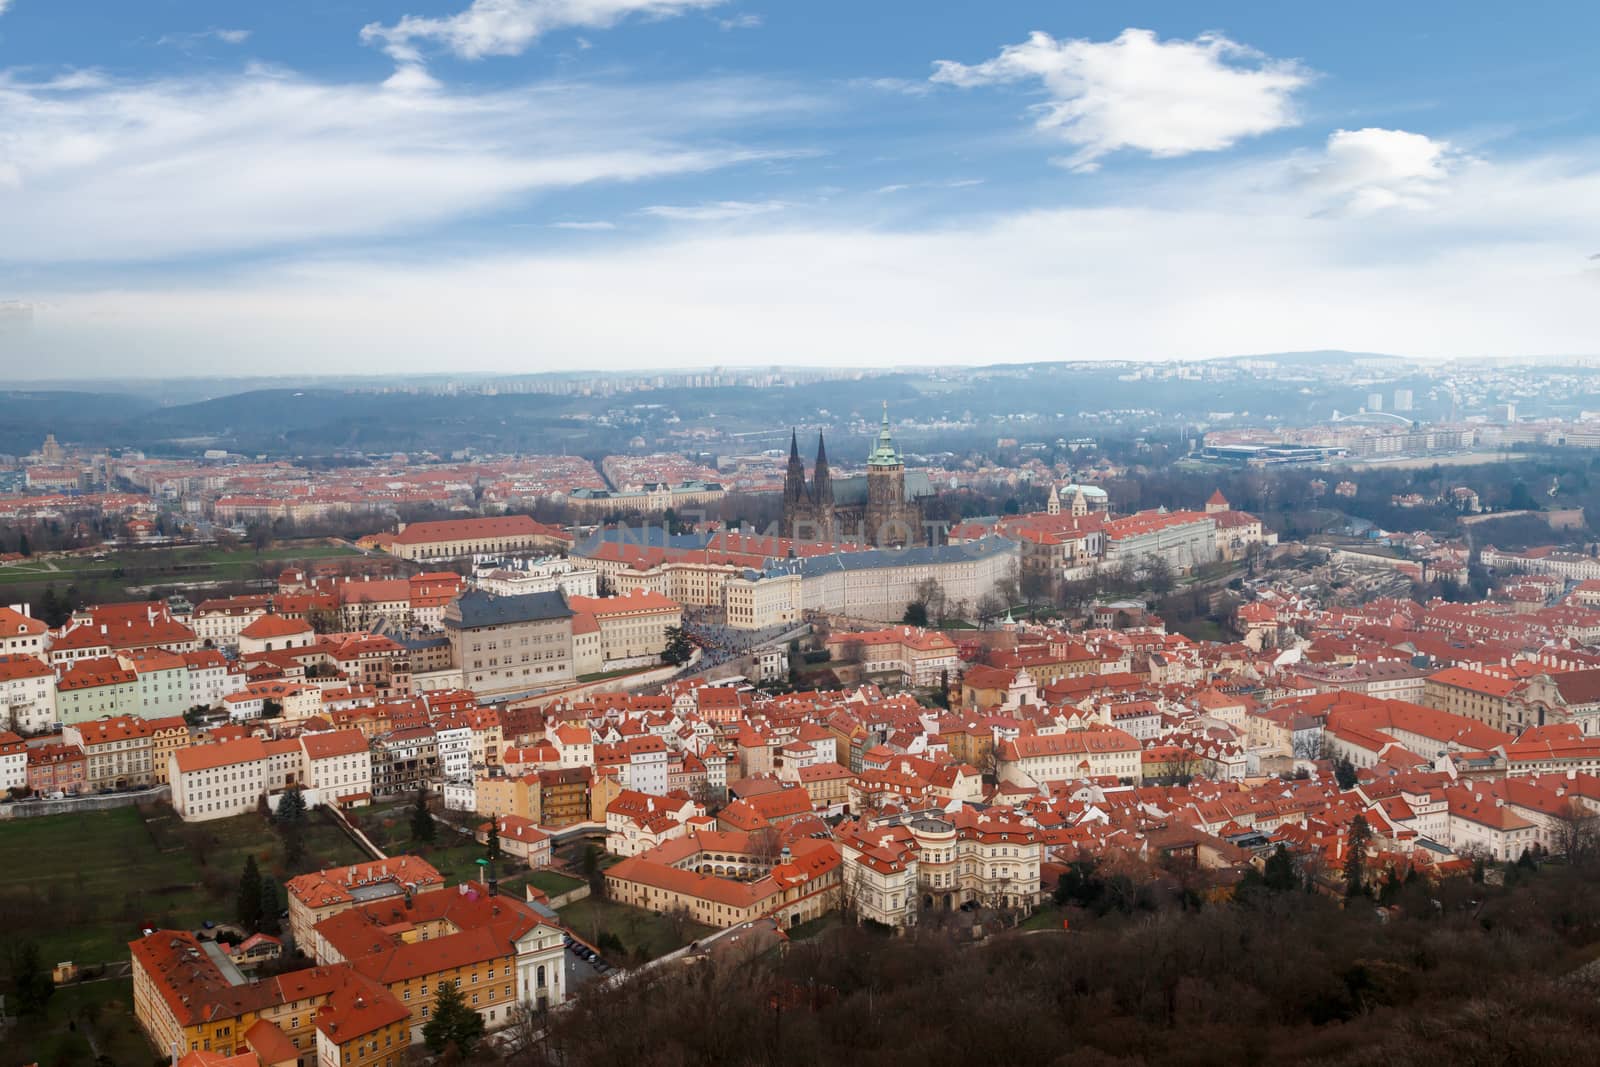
(822, 483)
(794, 479)
(883, 453)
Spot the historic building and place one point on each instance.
(882, 507)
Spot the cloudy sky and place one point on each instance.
(193, 186)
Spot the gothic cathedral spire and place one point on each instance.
(794, 479)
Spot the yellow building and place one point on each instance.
(498, 951)
(167, 735)
(316, 896)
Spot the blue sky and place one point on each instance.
(499, 185)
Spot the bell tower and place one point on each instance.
(886, 521)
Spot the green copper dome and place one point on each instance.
(883, 453)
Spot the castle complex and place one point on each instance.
(883, 507)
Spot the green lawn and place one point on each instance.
(600, 676)
(1047, 917)
(452, 854)
(64, 570)
(168, 566)
(814, 927)
(101, 876)
(101, 1010)
(644, 934)
(552, 883)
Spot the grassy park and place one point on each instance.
(644, 935)
(82, 886)
(83, 1021)
(165, 565)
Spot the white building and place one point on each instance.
(513, 577)
(454, 739)
(13, 761)
(1033, 759)
(337, 767)
(211, 678)
(20, 633)
(878, 584)
(1183, 539)
(217, 781)
(27, 694)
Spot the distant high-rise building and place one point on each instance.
(1402, 400)
(1374, 401)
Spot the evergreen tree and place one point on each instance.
(247, 908)
(593, 873)
(24, 547)
(1355, 859)
(1344, 772)
(1279, 874)
(271, 906)
(291, 825)
(492, 848)
(421, 821)
(679, 647)
(292, 808)
(452, 1023)
(31, 985)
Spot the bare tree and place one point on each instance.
(847, 894)
(931, 595)
(707, 795)
(1185, 764)
(678, 920)
(1576, 835)
(989, 606)
(1307, 746)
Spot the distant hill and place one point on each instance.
(26, 416)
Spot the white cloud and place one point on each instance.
(1374, 169)
(955, 183)
(594, 225)
(716, 211)
(740, 22)
(508, 27)
(3, 5)
(92, 169)
(1498, 267)
(903, 86)
(189, 41)
(1165, 98)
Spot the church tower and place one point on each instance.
(794, 479)
(885, 517)
(822, 492)
(1053, 505)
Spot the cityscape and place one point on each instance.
(650, 532)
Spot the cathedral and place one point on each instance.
(882, 507)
